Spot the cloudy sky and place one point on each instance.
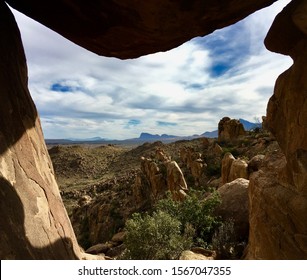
(184, 91)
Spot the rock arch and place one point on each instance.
(29, 195)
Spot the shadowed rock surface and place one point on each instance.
(131, 28)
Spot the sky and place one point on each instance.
(184, 91)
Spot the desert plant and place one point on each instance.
(225, 243)
(196, 211)
(157, 236)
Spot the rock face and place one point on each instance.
(277, 213)
(278, 191)
(229, 129)
(33, 223)
(132, 28)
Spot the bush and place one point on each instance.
(155, 237)
(196, 212)
(225, 243)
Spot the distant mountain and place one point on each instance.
(148, 136)
(86, 139)
(249, 125)
(211, 134)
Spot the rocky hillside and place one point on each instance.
(103, 185)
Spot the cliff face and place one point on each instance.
(33, 216)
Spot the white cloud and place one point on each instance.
(183, 86)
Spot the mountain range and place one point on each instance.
(146, 137)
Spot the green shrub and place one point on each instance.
(214, 169)
(157, 236)
(196, 212)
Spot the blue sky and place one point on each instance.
(184, 91)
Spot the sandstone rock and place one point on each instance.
(175, 180)
(119, 237)
(264, 123)
(98, 249)
(277, 213)
(203, 251)
(189, 255)
(158, 176)
(193, 162)
(235, 206)
(90, 257)
(227, 161)
(233, 168)
(34, 223)
(218, 149)
(255, 163)
(238, 169)
(286, 113)
(229, 129)
(131, 28)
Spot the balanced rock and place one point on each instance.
(229, 129)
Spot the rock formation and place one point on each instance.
(34, 223)
(158, 176)
(194, 163)
(234, 206)
(33, 220)
(277, 213)
(233, 168)
(278, 191)
(229, 129)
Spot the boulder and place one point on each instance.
(233, 168)
(229, 129)
(227, 161)
(175, 180)
(235, 206)
(119, 237)
(98, 249)
(238, 169)
(189, 255)
(255, 163)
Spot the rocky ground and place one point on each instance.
(103, 185)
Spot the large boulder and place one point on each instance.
(233, 168)
(230, 129)
(235, 206)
